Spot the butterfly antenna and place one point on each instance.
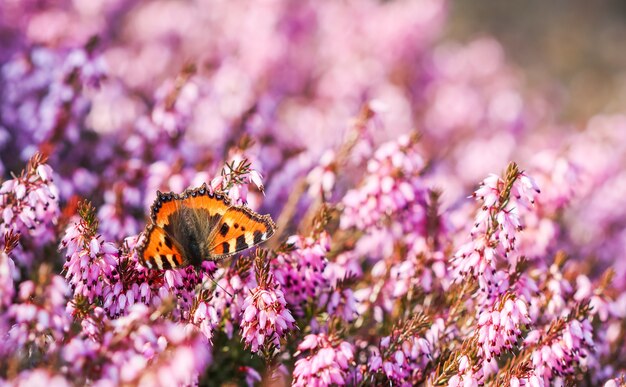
(220, 286)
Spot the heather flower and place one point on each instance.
(564, 346)
(252, 376)
(175, 103)
(38, 316)
(206, 318)
(392, 185)
(341, 302)
(138, 348)
(558, 291)
(403, 356)
(44, 94)
(40, 377)
(466, 377)
(8, 271)
(235, 178)
(615, 382)
(220, 302)
(29, 204)
(265, 317)
(496, 226)
(89, 260)
(500, 328)
(225, 303)
(300, 271)
(119, 203)
(561, 178)
(338, 297)
(322, 178)
(328, 362)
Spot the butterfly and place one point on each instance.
(199, 225)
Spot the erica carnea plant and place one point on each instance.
(409, 248)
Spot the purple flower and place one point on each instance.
(564, 346)
(494, 234)
(38, 316)
(403, 356)
(90, 261)
(40, 377)
(8, 273)
(265, 319)
(29, 204)
(392, 185)
(466, 376)
(300, 272)
(327, 364)
(500, 328)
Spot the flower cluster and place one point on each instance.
(37, 320)
(499, 329)
(327, 364)
(403, 356)
(497, 224)
(466, 376)
(138, 348)
(89, 261)
(300, 271)
(558, 355)
(391, 186)
(265, 318)
(30, 203)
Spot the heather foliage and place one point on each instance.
(410, 248)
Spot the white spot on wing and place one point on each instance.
(170, 259)
(249, 239)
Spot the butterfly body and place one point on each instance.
(199, 225)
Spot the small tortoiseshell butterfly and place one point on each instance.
(199, 225)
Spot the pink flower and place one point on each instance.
(327, 364)
(265, 317)
(392, 186)
(500, 328)
(8, 272)
(41, 377)
(300, 272)
(558, 355)
(29, 204)
(465, 377)
(89, 261)
(494, 234)
(38, 318)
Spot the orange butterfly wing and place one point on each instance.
(166, 204)
(159, 251)
(240, 228)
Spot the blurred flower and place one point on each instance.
(40, 377)
(466, 376)
(38, 319)
(391, 186)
